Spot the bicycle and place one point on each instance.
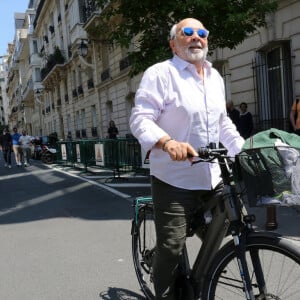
(251, 265)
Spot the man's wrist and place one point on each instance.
(163, 147)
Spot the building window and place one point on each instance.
(94, 121)
(105, 75)
(83, 120)
(69, 123)
(79, 76)
(94, 116)
(124, 63)
(35, 46)
(38, 77)
(74, 81)
(90, 82)
(77, 124)
(129, 101)
(223, 69)
(54, 126)
(273, 85)
(109, 109)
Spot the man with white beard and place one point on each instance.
(179, 107)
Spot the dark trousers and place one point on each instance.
(297, 131)
(173, 211)
(7, 155)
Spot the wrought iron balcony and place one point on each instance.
(55, 58)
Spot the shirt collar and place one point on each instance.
(182, 64)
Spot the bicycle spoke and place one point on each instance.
(280, 270)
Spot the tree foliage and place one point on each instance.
(228, 21)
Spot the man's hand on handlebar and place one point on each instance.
(180, 151)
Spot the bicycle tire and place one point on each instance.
(143, 247)
(280, 259)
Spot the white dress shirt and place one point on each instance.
(173, 100)
(25, 141)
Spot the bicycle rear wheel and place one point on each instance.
(143, 248)
(280, 262)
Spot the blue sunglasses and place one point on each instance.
(188, 31)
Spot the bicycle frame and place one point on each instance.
(226, 214)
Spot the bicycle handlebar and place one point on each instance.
(207, 154)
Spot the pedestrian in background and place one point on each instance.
(6, 147)
(16, 147)
(112, 130)
(295, 116)
(25, 143)
(246, 121)
(233, 114)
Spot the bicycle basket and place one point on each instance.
(270, 175)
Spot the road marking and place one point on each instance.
(104, 177)
(103, 186)
(129, 184)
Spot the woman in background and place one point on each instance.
(112, 130)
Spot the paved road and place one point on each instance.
(65, 233)
(63, 238)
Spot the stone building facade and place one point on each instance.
(4, 102)
(53, 88)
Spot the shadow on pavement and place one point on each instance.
(119, 294)
(39, 192)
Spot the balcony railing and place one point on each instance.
(54, 59)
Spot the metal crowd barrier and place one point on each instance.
(119, 155)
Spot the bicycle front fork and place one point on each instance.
(239, 238)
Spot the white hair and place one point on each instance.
(173, 32)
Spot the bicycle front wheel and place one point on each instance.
(143, 248)
(280, 265)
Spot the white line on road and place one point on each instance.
(104, 177)
(103, 186)
(129, 184)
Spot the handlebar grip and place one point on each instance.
(189, 155)
(202, 153)
(208, 153)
